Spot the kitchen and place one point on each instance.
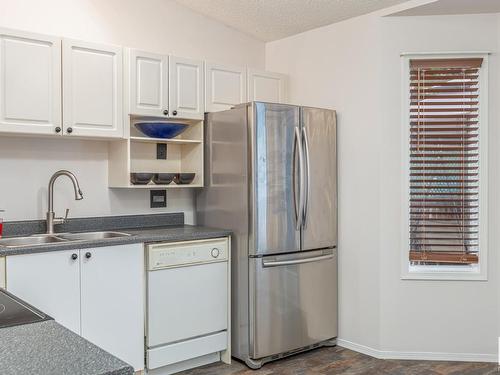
(326, 67)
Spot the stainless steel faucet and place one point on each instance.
(51, 219)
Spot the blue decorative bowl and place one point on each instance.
(161, 129)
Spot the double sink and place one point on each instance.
(44, 239)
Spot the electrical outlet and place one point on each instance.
(158, 198)
(161, 151)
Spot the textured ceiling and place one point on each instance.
(269, 20)
(442, 7)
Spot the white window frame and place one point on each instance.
(444, 272)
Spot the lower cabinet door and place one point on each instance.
(112, 298)
(50, 282)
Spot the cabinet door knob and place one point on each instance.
(74, 256)
(165, 112)
(69, 130)
(88, 255)
(58, 129)
(174, 113)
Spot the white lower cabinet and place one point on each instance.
(97, 293)
(50, 282)
(112, 297)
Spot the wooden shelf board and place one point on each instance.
(163, 140)
(139, 118)
(154, 186)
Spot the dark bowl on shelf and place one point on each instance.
(184, 178)
(163, 178)
(164, 130)
(141, 178)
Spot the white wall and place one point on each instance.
(153, 25)
(162, 26)
(354, 67)
(26, 165)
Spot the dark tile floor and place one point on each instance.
(337, 360)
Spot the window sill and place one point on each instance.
(452, 273)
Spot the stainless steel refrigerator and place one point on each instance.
(271, 177)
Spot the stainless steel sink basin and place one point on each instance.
(91, 236)
(29, 241)
(44, 239)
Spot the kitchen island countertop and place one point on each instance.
(47, 348)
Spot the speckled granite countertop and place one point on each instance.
(168, 233)
(47, 348)
(142, 229)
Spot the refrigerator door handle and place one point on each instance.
(300, 211)
(307, 178)
(276, 263)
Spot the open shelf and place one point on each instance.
(138, 118)
(154, 186)
(193, 132)
(165, 140)
(138, 154)
(172, 185)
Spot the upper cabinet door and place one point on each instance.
(148, 90)
(225, 87)
(30, 83)
(186, 88)
(92, 89)
(266, 86)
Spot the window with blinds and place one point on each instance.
(444, 161)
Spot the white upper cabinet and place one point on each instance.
(148, 83)
(266, 86)
(30, 83)
(92, 89)
(225, 87)
(55, 86)
(186, 88)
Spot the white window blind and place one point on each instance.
(444, 161)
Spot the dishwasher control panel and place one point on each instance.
(179, 254)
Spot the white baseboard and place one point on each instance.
(359, 348)
(421, 356)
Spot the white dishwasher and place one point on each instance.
(187, 304)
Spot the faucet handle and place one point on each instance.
(61, 220)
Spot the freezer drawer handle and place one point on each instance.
(276, 263)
